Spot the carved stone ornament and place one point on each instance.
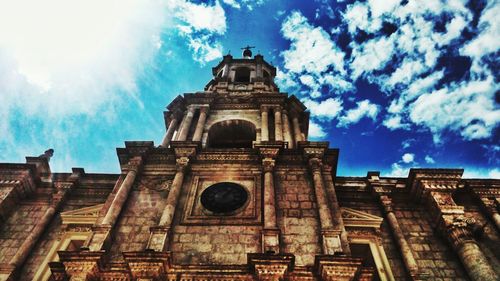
(355, 218)
(271, 266)
(268, 164)
(181, 164)
(87, 215)
(332, 268)
(148, 264)
(315, 164)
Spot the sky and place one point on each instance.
(392, 84)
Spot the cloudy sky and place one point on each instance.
(393, 84)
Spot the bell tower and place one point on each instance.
(240, 106)
(249, 175)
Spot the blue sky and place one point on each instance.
(393, 84)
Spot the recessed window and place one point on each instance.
(224, 197)
(231, 134)
(242, 75)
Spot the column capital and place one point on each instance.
(134, 163)
(315, 164)
(264, 108)
(277, 107)
(176, 114)
(191, 108)
(386, 203)
(181, 164)
(268, 164)
(458, 229)
(204, 108)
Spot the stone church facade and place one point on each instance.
(235, 191)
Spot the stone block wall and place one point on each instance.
(54, 232)
(225, 244)
(366, 204)
(297, 214)
(431, 251)
(18, 226)
(142, 211)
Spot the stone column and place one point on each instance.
(264, 116)
(201, 123)
(330, 236)
(278, 130)
(336, 212)
(28, 244)
(186, 124)
(170, 132)
(57, 200)
(123, 191)
(473, 259)
(406, 252)
(270, 236)
(287, 134)
(435, 188)
(158, 239)
(296, 129)
(490, 205)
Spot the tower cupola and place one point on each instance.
(250, 73)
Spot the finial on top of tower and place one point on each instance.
(247, 53)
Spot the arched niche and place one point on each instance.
(242, 75)
(231, 134)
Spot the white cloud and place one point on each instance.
(200, 23)
(200, 17)
(408, 157)
(363, 109)
(370, 56)
(232, 3)
(466, 107)
(249, 4)
(397, 170)
(418, 89)
(429, 160)
(470, 172)
(394, 122)
(315, 130)
(494, 174)
(327, 109)
(64, 63)
(61, 61)
(311, 50)
(407, 143)
(487, 42)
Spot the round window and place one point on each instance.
(224, 197)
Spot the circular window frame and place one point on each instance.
(230, 212)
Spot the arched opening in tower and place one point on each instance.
(231, 134)
(267, 78)
(242, 75)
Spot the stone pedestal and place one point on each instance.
(271, 267)
(148, 265)
(337, 268)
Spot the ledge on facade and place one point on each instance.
(132, 149)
